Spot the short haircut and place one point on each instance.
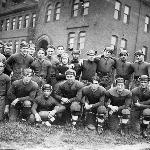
(60, 46)
(51, 46)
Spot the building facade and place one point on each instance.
(84, 24)
(17, 21)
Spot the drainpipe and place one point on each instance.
(137, 30)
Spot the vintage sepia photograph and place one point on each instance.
(74, 74)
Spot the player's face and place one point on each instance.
(50, 51)
(70, 78)
(41, 54)
(64, 60)
(24, 50)
(27, 78)
(31, 52)
(107, 53)
(60, 50)
(144, 84)
(95, 84)
(123, 57)
(8, 50)
(47, 93)
(75, 56)
(120, 87)
(91, 57)
(140, 57)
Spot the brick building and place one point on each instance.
(85, 24)
(17, 21)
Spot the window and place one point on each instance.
(123, 44)
(81, 40)
(1, 25)
(57, 11)
(13, 24)
(75, 8)
(145, 49)
(86, 8)
(126, 15)
(147, 23)
(4, 3)
(16, 46)
(19, 25)
(26, 21)
(48, 13)
(33, 20)
(114, 40)
(71, 37)
(7, 25)
(117, 12)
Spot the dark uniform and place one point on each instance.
(95, 98)
(45, 104)
(142, 96)
(51, 78)
(17, 63)
(124, 70)
(41, 68)
(66, 90)
(139, 68)
(105, 68)
(4, 86)
(121, 100)
(24, 92)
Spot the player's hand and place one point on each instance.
(65, 100)
(6, 109)
(137, 104)
(15, 102)
(87, 106)
(37, 117)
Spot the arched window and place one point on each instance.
(57, 11)
(48, 13)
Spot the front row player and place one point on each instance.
(21, 95)
(95, 110)
(140, 114)
(45, 107)
(118, 101)
(66, 92)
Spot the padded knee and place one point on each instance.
(101, 110)
(31, 119)
(75, 107)
(146, 116)
(27, 103)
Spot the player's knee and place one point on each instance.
(27, 103)
(75, 107)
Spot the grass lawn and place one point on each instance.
(23, 136)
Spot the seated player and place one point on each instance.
(45, 107)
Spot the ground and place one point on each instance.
(25, 137)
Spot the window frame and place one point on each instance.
(125, 47)
(69, 39)
(19, 22)
(47, 10)
(26, 21)
(118, 11)
(79, 39)
(85, 8)
(125, 14)
(147, 25)
(145, 53)
(56, 14)
(7, 27)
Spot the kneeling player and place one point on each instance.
(118, 101)
(95, 111)
(67, 94)
(45, 108)
(141, 106)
